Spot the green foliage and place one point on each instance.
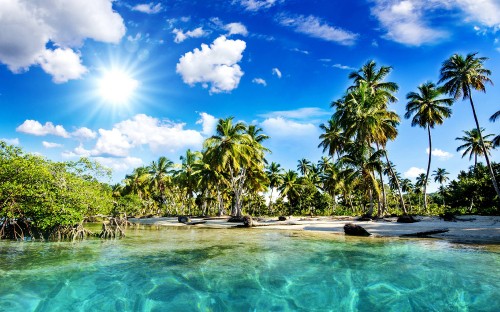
(49, 195)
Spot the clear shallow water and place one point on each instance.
(181, 269)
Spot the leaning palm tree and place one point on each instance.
(428, 109)
(460, 75)
(441, 176)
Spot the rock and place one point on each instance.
(355, 230)
(235, 219)
(183, 219)
(406, 219)
(281, 218)
(448, 216)
(248, 221)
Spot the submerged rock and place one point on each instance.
(355, 230)
(407, 219)
(183, 219)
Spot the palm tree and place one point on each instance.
(304, 166)
(421, 185)
(374, 78)
(473, 146)
(407, 187)
(275, 179)
(188, 177)
(496, 140)
(428, 110)
(441, 176)
(460, 75)
(290, 188)
(333, 139)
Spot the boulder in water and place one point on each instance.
(355, 230)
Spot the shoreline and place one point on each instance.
(472, 229)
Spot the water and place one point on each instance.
(182, 269)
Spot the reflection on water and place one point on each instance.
(184, 269)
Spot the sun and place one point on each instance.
(117, 86)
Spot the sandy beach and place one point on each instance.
(467, 229)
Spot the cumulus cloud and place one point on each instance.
(160, 136)
(259, 81)
(256, 5)
(180, 36)
(481, 11)
(215, 65)
(404, 22)
(315, 27)
(301, 113)
(413, 172)
(279, 127)
(236, 29)
(208, 122)
(148, 8)
(277, 72)
(119, 164)
(14, 141)
(442, 155)
(28, 26)
(36, 128)
(62, 64)
(84, 133)
(50, 144)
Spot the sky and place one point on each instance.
(124, 82)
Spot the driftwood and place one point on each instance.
(426, 233)
(195, 222)
(114, 228)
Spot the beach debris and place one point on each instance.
(426, 233)
(183, 219)
(407, 219)
(355, 230)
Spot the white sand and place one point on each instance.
(482, 229)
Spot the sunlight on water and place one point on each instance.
(182, 269)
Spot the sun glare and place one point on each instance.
(117, 86)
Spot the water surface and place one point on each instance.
(189, 269)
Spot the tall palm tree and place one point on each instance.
(275, 179)
(421, 183)
(460, 75)
(374, 78)
(472, 144)
(333, 139)
(290, 188)
(428, 109)
(441, 176)
(188, 175)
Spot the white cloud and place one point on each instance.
(277, 72)
(119, 164)
(148, 8)
(142, 130)
(84, 133)
(215, 65)
(180, 36)
(317, 28)
(256, 5)
(442, 155)
(208, 122)
(62, 64)
(236, 29)
(14, 141)
(301, 113)
(259, 81)
(404, 21)
(27, 27)
(300, 51)
(413, 172)
(36, 128)
(340, 66)
(279, 127)
(485, 12)
(50, 144)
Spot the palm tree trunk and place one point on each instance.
(493, 179)
(401, 199)
(428, 167)
(370, 212)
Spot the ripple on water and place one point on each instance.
(241, 270)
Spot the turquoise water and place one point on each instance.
(182, 269)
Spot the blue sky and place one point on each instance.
(180, 65)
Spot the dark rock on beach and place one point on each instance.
(355, 230)
(281, 218)
(406, 219)
(183, 219)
